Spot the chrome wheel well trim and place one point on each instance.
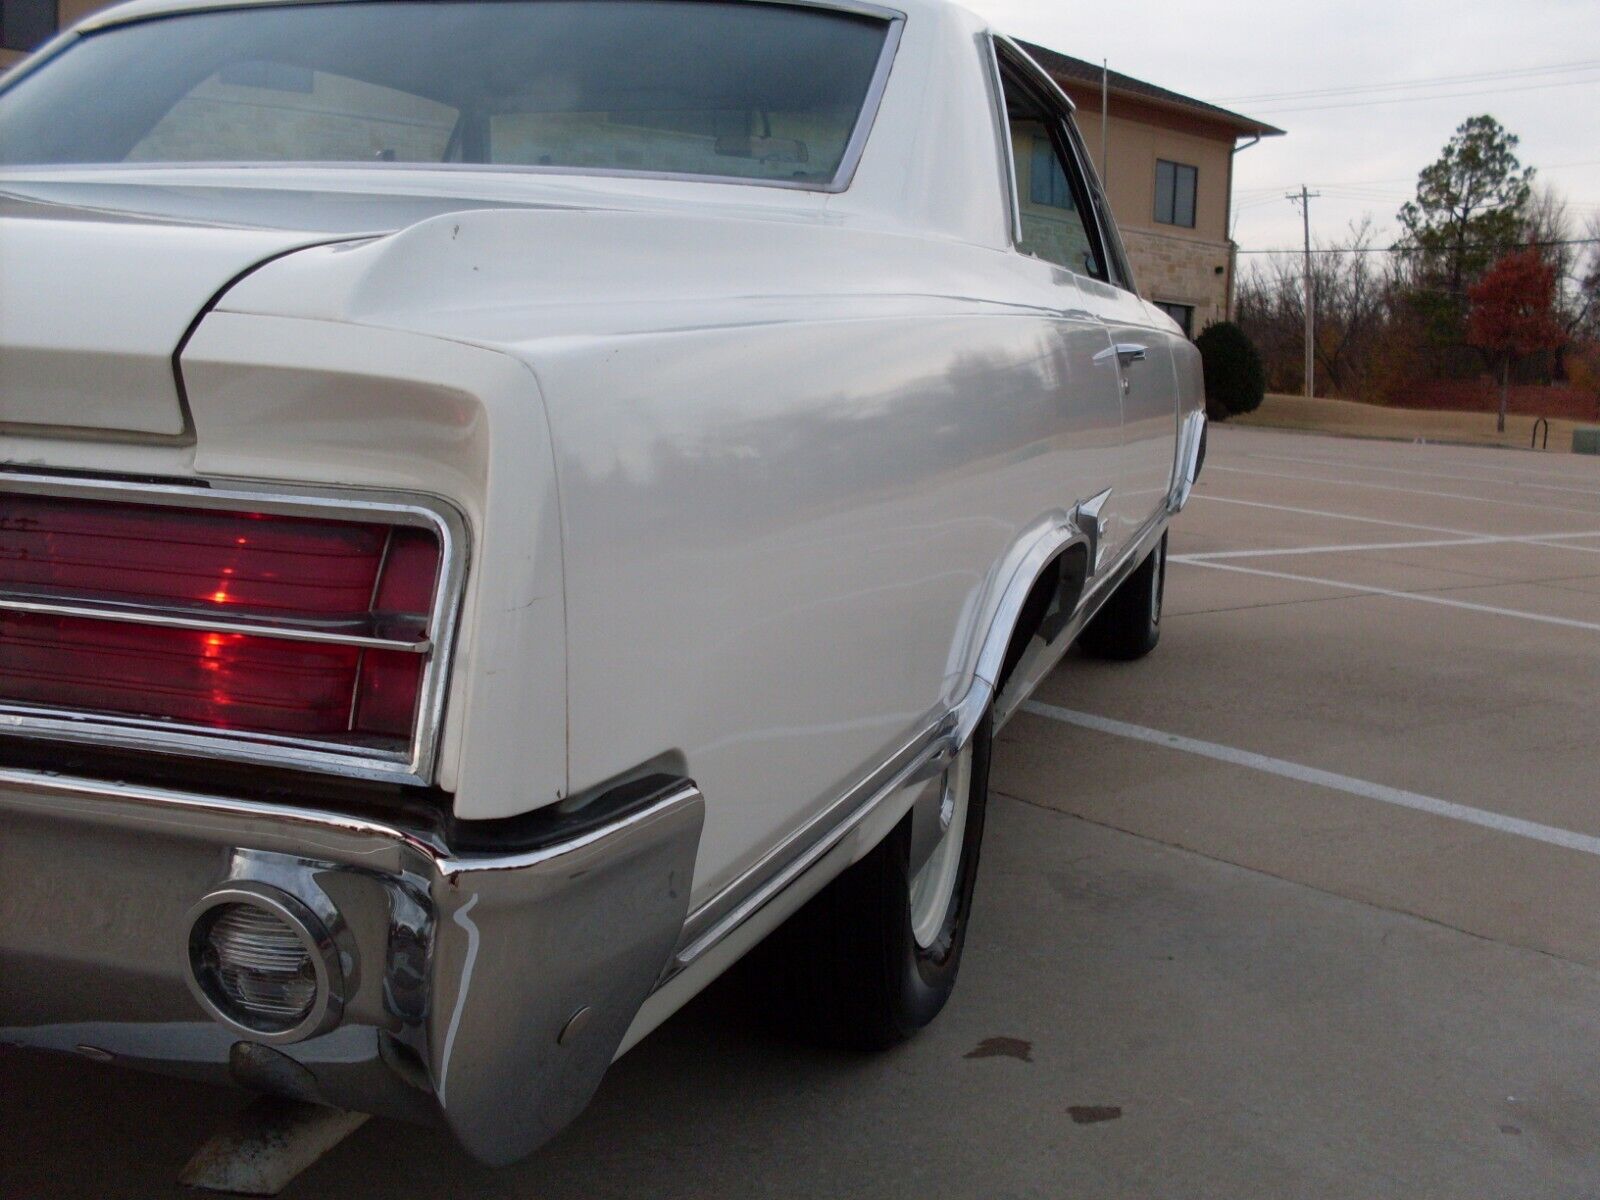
(1096, 593)
(925, 755)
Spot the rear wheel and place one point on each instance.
(873, 957)
(1128, 626)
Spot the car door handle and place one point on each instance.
(1130, 352)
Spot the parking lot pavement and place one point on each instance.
(1422, 622)
(1305, 904)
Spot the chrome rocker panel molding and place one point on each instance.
(415, 765)
(928, 754)
(489, 988)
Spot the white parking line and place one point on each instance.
(1335, 462)
(1337, 516)
(1537, 539)
(1521, 473)
(1499, 822)
(1389, 487)
(1417, 597)
(1544, 539)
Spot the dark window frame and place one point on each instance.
(1173, 211)
(25, 25)
(1183, 314)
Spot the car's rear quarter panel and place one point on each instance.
(780, 537)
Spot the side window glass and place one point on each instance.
(1050, 196)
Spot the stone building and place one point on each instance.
(1167, 163)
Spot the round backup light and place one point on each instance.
(261, 962)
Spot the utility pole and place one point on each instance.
(1303, 199)
(1105, 143)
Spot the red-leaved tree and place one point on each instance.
(1513, 314)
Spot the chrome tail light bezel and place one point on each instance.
(415, 764)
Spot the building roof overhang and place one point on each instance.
(1080, 73)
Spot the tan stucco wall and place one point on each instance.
(1170, 263)
(1131, 187)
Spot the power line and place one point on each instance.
(1425, 82)
(1407, 179)
(1416, 100)
(1413, 250)
(1440, 96)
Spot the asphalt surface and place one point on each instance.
(1305, 904)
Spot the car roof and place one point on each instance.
(138, 10)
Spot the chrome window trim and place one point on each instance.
(415, 765)
(1008, 149)
(1043, 78)
(855, 145)
(1110, 236)
(1093, 224)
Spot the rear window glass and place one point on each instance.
(744, 90)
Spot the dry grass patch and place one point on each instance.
(1349, 418)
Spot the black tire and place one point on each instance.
(1129, 624)
(846, 970)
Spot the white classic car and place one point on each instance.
(507, 506)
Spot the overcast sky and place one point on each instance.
(1363, 156)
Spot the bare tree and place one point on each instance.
(1352, 285)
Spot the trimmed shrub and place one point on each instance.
(1235, 379)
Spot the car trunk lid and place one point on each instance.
(94, 304)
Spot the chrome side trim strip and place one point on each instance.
(12, 602)
(752, 891)
(1191, 436)
(923, 756)
(414, 765)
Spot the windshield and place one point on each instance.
(761, 92)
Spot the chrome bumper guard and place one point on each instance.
(489, 986)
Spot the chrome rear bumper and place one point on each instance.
(488, 985)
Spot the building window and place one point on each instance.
(1175, 187)
(1183, 314)
(1047, 181)
(26, 24)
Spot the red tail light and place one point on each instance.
(256, 624)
